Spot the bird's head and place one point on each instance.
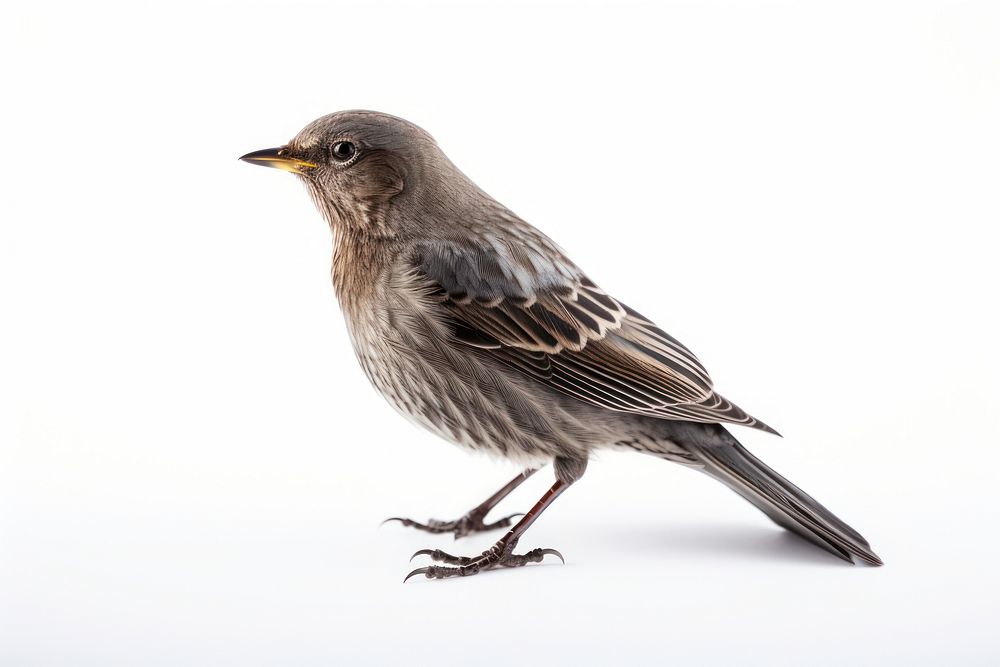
(355, 163)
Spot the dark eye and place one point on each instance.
(343, 151)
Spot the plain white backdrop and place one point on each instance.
(193, 468)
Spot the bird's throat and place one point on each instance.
(360, 261)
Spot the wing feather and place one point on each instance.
(531, 308)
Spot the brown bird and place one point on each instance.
(475, 325)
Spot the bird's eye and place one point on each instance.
(343, 151)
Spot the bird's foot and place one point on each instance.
(468, 524)
(499, 555)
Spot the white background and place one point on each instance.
(193, 469)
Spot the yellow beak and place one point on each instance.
(278, 159)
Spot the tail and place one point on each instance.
(786, 504)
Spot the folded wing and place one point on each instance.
(531, 308)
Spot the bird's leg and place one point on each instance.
(500, 554)
(473, 521)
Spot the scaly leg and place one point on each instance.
(500, 554)
(473, 522)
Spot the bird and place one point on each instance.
(478, 327)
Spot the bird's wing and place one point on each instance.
(534, 310)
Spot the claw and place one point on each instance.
(419, 570)
(407, 522)
(470, 523)
(425, 552)
(552, 552)
(441, 556)
(497, 556)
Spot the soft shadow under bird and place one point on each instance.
(474, 324)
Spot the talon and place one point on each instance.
(546, 552)
(406, 522)
(435, 554)
(470, 523)
(420, 570)
(497, 556)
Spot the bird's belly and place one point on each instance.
(438, 399)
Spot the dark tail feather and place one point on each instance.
(786, 504)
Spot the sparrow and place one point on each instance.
(478, 327)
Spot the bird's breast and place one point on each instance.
(403, 352)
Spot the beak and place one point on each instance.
(279, 159)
